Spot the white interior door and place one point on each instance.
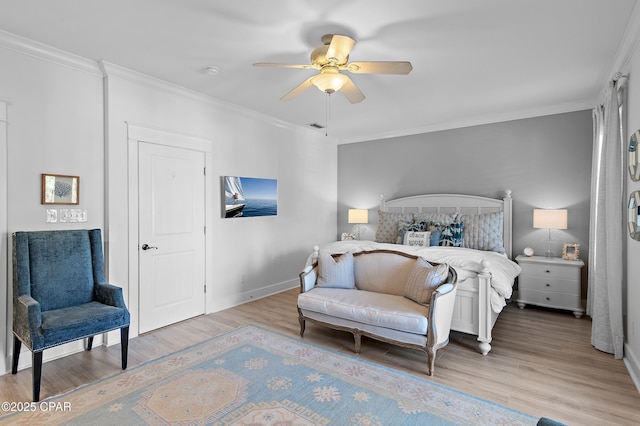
(171, 243)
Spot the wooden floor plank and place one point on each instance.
(542, 362)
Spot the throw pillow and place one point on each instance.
(336, 272)
(441, 218)
(423, 279)
(387, 230)
(419, 239)
(435, 238)
(452, 235)
(404, 227)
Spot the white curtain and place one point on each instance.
(607, 224)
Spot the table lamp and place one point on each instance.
(357, 217)
(549, 219)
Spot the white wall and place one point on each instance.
(56, 121)
(54, 125)
(632, 323)
(249, 257)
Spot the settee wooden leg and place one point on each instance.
(357, 337)
(302, 325)
(17, 345)
(431, 360)
(37, 375)
(89, 342)
(124, 345)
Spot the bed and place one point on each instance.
(485, 272)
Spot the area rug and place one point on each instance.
(253, 376)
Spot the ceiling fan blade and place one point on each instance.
(275, 65)
(297, 90)
(352, 93)
(340, 47)
(380, 67)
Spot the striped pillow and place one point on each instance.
(336, 273)
(423, 279)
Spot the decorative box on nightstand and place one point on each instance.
(551, 282)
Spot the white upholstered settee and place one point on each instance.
(393, 297)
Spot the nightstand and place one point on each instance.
(551, 282)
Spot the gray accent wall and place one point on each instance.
(545, 161)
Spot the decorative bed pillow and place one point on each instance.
(419, 239)
(440, 218)
(423, 279)
(404, 227)
(387, 231)
(484, 231)
(435, 238)
(452, 235)
(336, 272)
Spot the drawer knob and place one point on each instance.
(548, 298)
(548, 285)
(547, 271)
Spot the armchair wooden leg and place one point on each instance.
(124, 345)
(17, 345)
(302, 325)
(37, 375)
(89, 342)
(431, 360)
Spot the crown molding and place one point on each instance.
(38, 50)
(110, 70)
(474, 121)
(626, 49)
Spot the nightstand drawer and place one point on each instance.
(555, 285)
(547, 270)
(552, 300)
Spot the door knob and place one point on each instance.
(148, 247)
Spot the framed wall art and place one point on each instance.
(250, 197)
(60, 189)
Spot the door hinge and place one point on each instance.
(205, 288)
(205, 171)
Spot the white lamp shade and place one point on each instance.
(550, 219)
(358, 216)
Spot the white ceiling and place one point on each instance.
(474, 61)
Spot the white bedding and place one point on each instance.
(467, 263)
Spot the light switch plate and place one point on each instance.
(64, 215)
(52, 215)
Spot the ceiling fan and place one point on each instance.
(332, 58)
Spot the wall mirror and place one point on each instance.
(634, 215)
(634, 157)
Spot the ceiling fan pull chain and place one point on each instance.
(327, 112)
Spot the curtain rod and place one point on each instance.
(619, 75)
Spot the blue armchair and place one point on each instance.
(60, 294)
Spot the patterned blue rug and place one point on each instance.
(252, 376)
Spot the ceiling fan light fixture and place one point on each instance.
(329, 80)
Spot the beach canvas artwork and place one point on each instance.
(250, 197)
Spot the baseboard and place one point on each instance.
(49, 354)
(632, 363)
(238, 299)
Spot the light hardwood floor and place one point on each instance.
(542, 362)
